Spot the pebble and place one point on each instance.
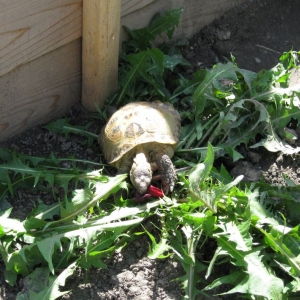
(257, 60)
(89, 151)
(254, 157)
(223, 34)
(65, 146)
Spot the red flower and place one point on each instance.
(151, 192)
(155, 192)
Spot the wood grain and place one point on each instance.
(196, 14)
(129, 6)
(100, 51)
(32, 28)
(40, 90)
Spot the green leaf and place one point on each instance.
(199, 174)
(208, 195)
(170, 62)
(257, 279)
(274, 144)
(287, 242)
(236, 127)
(40, 285)
(10, 226)
(213, 80)
(232, 279)
(83, 199)
(187, 86)
(161, 23)
(260, 283)
(165, 22)
(191, 279)
(16, 264)
(63, 126)
(138, 62)
(158, 249)
(47, 247)
(239, 234)
(57, 126)
(17, 166)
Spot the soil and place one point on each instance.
(255, 33)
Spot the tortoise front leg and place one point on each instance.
(166, 170)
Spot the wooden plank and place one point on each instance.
(32, 28)
(129, 6)
(196, 15)
(100, 51)
(52, 85)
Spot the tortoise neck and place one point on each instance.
(140, 156)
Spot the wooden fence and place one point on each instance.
(41, 51)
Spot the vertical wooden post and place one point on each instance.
(100, 50)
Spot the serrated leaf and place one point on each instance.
(274, 144)
(84, 198)
(161, 23)
(80, 199)
(170, 62)
(201, 171)
(62, 126)
(157, 250)
(232, 279)
(234, 126)
(257, 280)
(47, 247)
(5, 154)
(138, 61)
(187, 86)
(16, 264)
(287, 243)
(40, 285)
(9, 226)
(205, 91)
(57, 126)
(16, 166)
(53, 291)
(260, 283)
(211, 195)
(165, 22)
(239, 234)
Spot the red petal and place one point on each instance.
(155, 192)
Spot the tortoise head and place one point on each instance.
(141, 173)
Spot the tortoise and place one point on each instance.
(141, 138)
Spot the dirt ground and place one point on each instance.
(256, 33)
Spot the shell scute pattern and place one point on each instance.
(139, 123)
(133, 131)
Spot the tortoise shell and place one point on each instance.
(152, 123)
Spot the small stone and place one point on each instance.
(65, 146)
(223, 34)
(89, 151)
(134, 290)
(139, 253)
(254, 157)
(114, 278)
(257, 60)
